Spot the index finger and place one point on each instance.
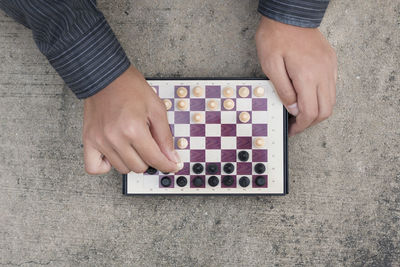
(150, 152)
(308, 106)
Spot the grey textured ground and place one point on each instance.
(344, 204)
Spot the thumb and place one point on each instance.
(95, 162)
(283, 86)
(161, 132)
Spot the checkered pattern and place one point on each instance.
(220, 136)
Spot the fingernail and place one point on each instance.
(179, 165)
(293, 109)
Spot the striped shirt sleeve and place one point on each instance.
(76, 39)
(302, 13)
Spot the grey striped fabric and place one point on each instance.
(78, 42)
(76, 39)
(303, 13)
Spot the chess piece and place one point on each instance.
(197, 91)
(198, 117)
(244, 181)
(181, 181)
(228, 180)
(166, 181)
(260, 180)
(244, 91)
(182, 105)
(197, 181)
(243, 156)
(244, 116)
(198, 168)
(259, 168)
(227, 92)
(213, 181)
(229, 104)
(259, 142)
(168, 104)
(212, 104)
(229, 168)
(181, 92)
(258, 91)
(182, 143)
(212, 168)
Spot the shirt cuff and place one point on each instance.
(92, 62)
(302, 13)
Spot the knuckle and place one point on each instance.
(91, 169)
(311, 113)
(325, 114)
(131, 130)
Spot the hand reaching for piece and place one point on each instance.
(302, 66)
(125, 125)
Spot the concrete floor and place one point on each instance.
(344, 201)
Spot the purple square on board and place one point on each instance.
(194, 176)
(213, 117)
(172, 128)
(239, 86)
(237, 116)
(197, 104)
(228, 129)
(260, 130)
(228, 155)
(197, 155)
(213, 142)
(260, 155)
(185, 86)
(244, 168)
(185, 170)
(233, 185)
(218, 164)
(254, 181)
(259, 104)
(182, 117)
(176, 142)
(170, 177)
(243, 142)
(197, 130)
(213, 91)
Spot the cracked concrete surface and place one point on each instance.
(344, 201)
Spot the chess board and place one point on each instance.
(230, 134)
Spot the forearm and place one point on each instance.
(302, 13)
(76, 39)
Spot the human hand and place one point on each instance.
(302, 66)
(125, 126)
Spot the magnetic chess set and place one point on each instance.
(231, 135)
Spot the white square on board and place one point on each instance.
(259, 116)
(213, 129)
(184, 154)
(197, 142)
(182, 130)
(243, 104)
(213, 155)
(243, 129)
(170, 117)
(165, 92)
(228, 117)
(228, 142)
